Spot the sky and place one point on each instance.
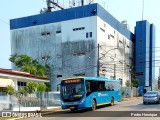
(130, 10)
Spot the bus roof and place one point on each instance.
(93, 78)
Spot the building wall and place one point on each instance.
(70, 38)
(144, 45)
(152, 81)
(70, 51)
(116, 52)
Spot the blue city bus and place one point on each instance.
(88, 92)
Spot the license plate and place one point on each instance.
(71, 107)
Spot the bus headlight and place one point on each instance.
(62, 103)
(82, 100)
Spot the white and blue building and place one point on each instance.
(71, 38)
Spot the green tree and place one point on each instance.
(20, 60)
(27, 64)
(41, 89)
(48, 87)
(127, 83)
(19, 95)
(135, 82)
(10, 90)
(123, 93)
(31, 87)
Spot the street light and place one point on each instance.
(98, 63)
(100, 58)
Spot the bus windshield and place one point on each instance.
(72, 90)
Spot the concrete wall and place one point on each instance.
(70, 51)
(116, 52)
(127, 91)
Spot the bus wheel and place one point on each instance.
(112, 101)
(94, 105)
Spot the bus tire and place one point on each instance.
(94, 106)
(112, 101)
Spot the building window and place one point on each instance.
(59, 31)
(3, 89)
(80, 28)
(120, 41)
(79, 54)
(90, 34)
(112, 35)
(102, 29)
(108, 37)
(140, 54)
(86, 35)
(34, 21)
(45, 33)
(80, 74)
(21, 84)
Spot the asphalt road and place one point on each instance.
(132, 109)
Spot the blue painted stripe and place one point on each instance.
(51, 17)
(69, 14)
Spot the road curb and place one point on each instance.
(44, 112)
(133, 98)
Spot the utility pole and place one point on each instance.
(131, 80)
(114, 71)
(98, 61)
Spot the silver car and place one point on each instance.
(151, 97)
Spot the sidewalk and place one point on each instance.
(48, 111)
(129, 98)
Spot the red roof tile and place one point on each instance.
(19, 73)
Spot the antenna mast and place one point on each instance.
(142, 8)
(82, 2)
(49, 2)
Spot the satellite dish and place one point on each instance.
(43, 10)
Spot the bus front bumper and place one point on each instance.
(73, 105)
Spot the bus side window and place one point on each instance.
(102, 86)
(112, 88)
(108, 88)
(88, 88)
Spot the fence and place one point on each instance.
(126, 91)
(38, 99)
(4, 101)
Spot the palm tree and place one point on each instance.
(41, 88)
(10, 91)
(19, 95)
